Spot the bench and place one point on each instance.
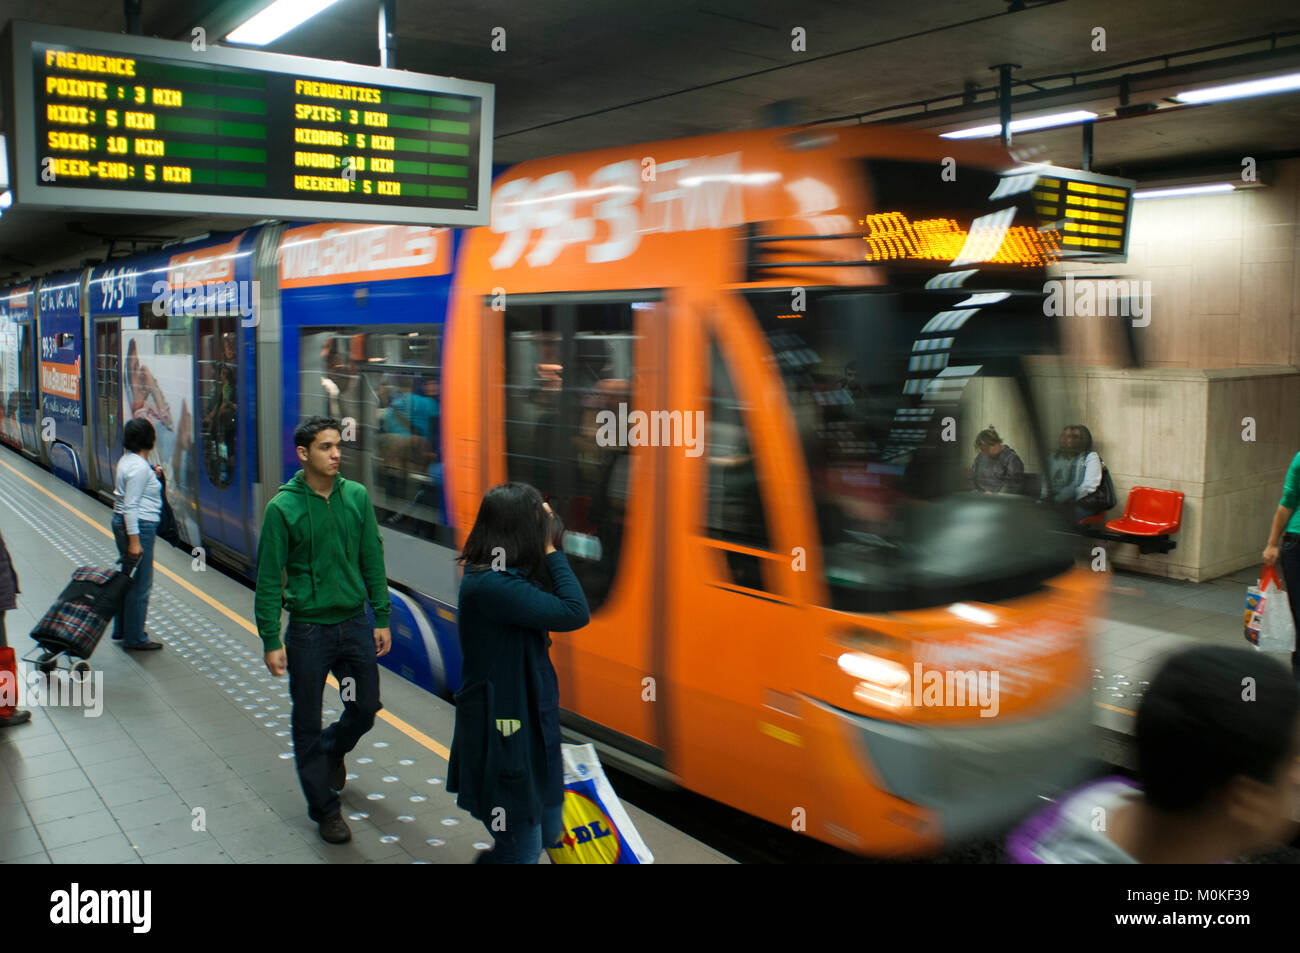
(1151, 518)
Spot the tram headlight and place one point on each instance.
(882, 682)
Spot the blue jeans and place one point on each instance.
(313, 651)
(128, 625)
(523, 845)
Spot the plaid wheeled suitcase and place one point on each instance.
(76, 621)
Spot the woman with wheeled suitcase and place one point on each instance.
(137, 511)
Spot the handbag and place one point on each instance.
(1101, 499)
(1269, 625)
(597, 829)
(167, 520)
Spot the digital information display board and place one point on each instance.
(1090, 213)
(132, 124)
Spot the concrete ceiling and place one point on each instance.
(585, 74)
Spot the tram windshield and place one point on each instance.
(889, 390)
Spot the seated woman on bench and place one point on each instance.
(997, 468)
(1073, 472)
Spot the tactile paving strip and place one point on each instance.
(237, 669)
(1118, 688)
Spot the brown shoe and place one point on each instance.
(335, 830)
(145, 646)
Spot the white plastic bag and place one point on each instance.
(1276, 625)
(597, 829)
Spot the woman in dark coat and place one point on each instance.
(8, 600)
(505, 753)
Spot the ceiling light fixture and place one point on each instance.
(1183, 190)
(273, 22)
(1023, 125)
(1255, 87)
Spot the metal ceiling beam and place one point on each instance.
(1152, 84)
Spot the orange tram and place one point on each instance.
(796, 609)
(746, 370)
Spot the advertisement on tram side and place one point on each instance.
(61, 356)
(156, 387)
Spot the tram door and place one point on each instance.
(571, 363)
(107, 409)
(735, 650)
(29, 399)
(223, 448)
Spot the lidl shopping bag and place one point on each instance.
(1274, 628)
(597, 829)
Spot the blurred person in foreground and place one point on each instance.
(997, 468)
(1218, 734)
(1283, 549)
(505, 762)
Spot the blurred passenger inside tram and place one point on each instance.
(405, 419)
(850, 382)
(344, 391)
(429, 495)
(333, 382)
(997, 468)
(1218, 734)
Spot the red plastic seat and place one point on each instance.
(1096, 519)
(1150, 512)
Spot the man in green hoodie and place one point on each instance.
(320, 556)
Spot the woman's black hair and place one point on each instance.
(1197, 730)
(1085, 444)
(510, 529)
(137, 435)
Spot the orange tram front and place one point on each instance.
(747, 370)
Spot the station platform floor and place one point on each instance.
(203, 724)
(1148, 618)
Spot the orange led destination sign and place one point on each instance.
(892, 236)
(1076, 216)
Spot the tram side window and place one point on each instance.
(383, 384)
(735, 506)
(218, 373)
(26, 378)
(566, 361)
(108, 386)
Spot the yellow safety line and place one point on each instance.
(411, 732)
(1122, 711)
